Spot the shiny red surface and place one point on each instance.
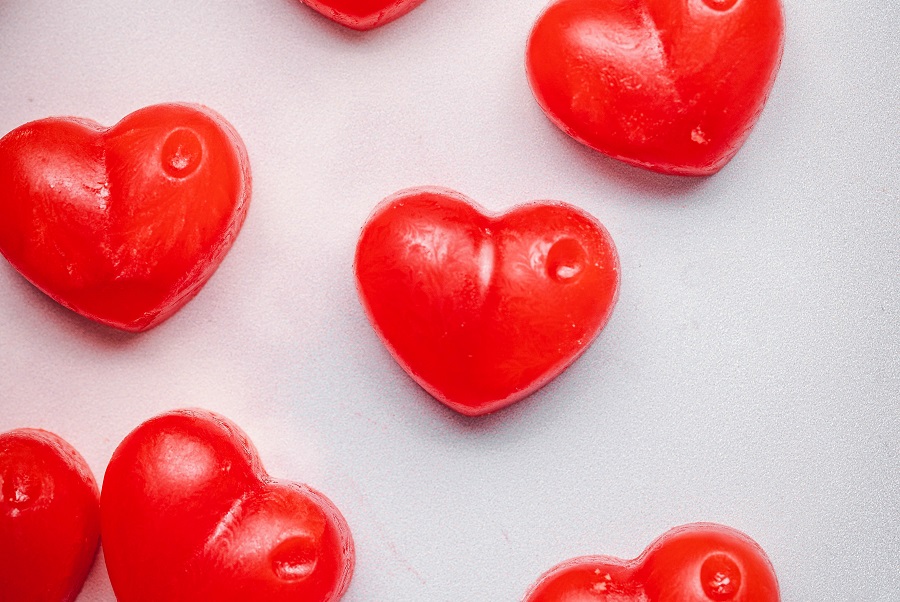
(189, 514)
(701, 562)
(483, 310)
(363, 14)
(125, 224)
(49, 518)
(670, 85)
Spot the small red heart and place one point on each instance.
(482, 311)
(702, 562)
(363, 14)
(125, 224)
(189, 514)
(49, 518)
(670, 85)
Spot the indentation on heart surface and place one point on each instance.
(295, 559)
(722, 5)
(721, 578)
(182, 153)
(566, 260)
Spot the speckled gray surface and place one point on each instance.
(749, 375)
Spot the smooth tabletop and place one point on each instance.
(749, 374)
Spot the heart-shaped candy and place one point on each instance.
(363, 14)
(125, 224)
(702, 562)
(483, 310)
(189, 514)
(670, 85)
(49, 518)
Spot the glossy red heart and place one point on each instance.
(701, 562)
(190, 515)
(670, 85)
(49, 518)
(363, 14)
(125, 224)
(483, 310)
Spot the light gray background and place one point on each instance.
(749, 374)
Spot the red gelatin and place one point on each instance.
(363, 14)
(123, 225)
(674, 86)
(483, 310)
(49, 518)
(190, 514)
(701, 562)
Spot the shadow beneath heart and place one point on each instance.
(643, 182)
(505, 419)
(310, 18)
(46, 309)
(323, 26)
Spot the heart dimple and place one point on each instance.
(566, 260)
(721, 578)
(721, 5)
(182, 153)
(295, 559)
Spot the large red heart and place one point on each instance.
(696, 563)
(363, 14)
(123, 225)
(482, 311)
(189, 514)
(670, 85)
(49, 518)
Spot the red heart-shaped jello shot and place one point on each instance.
(190, 515)
(125, 224)
(669, 85)
(483, 310)
(49, 518)
(695, 563)
(363, 14)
